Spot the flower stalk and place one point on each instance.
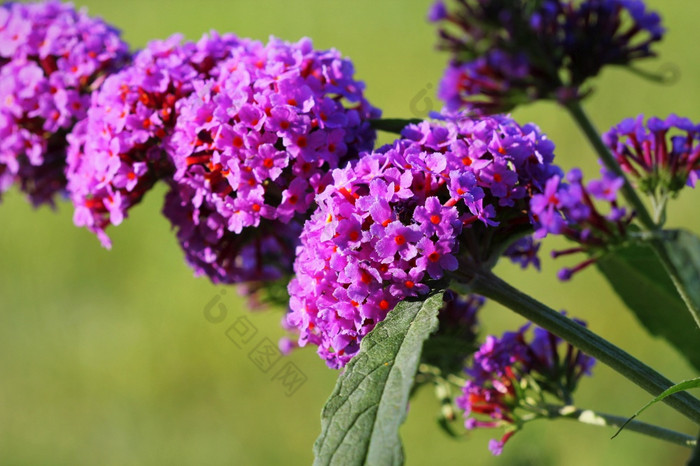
(579, 115)
(596, 418)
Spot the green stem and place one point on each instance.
(659, 202)
(595, 418)
(576, 111)
(695, 457)
(634, 201)
(490, 286)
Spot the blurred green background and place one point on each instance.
(106, 357)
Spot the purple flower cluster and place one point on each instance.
(252, 147)
(120, 150)
(256, 254)
(51, 58)
(569, 208)
(508, 53)
(512, 372)
(397, 219)
(663, 155)
(489, 84)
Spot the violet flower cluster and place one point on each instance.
(120, 150)
(662, 155)
(252, 147)
(51, 58)
(509, 52)
(510, 376)
(570, 208)
(407, 215)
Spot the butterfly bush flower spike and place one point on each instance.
(518, 377)
(508, 53)
(253, 145)
(52, 57)
(120, 150)
(661, 156)
(399, 219)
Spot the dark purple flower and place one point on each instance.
(508, 53)
(458, 315)
(438, 11)
(51, 58)
(489, 84)
(524, 252)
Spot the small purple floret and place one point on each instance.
(573, 209)
(524, 252)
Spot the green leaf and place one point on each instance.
(682, 254)
(361, 419)
(639, 278)
(679, 387)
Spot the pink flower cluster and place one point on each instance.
(120, 150)
(395, 220)
(251, 148)
(51, 58)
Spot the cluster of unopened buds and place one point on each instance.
(662, 156)
(517, 378)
